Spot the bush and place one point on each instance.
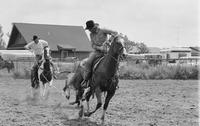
(132, 72)
(139, 71)
(145, 71)
(194, 73)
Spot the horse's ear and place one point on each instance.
(45, 47)
(119, 39)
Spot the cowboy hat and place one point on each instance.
(90, 24)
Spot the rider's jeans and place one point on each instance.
(93, 56)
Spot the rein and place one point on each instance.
(49, 71)
(115, 59)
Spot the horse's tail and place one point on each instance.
(70, 77)
(76, 66)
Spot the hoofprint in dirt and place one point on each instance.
(136, 103)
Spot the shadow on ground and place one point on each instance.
(79, 122)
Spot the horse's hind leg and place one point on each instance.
(88, 95)
(105, 106)
(79, 101)
(44, 89)
(79, 94)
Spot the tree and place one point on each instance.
(142, 48)
(2, 42)
(136, 47)
(129, 45)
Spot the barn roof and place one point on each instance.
(67, 47)
(74, 36)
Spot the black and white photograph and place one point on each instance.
(99, 62)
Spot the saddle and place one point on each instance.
(96, 63)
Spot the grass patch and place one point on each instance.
(145, 71)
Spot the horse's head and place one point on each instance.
(47, 53)
(118, 46)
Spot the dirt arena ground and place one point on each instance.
(136, 103)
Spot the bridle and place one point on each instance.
(115, 59)
(46, 55)
(46, 52)
(121, 48)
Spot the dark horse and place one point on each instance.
(104, 77)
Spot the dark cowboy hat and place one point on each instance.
(90, 24)
(35, 37)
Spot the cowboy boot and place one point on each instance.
(36, 75)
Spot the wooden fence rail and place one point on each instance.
(68, 64)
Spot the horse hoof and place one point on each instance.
(87, 114)
(102, 123)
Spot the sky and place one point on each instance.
(156, 23)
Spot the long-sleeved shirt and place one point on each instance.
(38, 48)
(100, 36)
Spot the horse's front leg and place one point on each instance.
(81, 110)
(51, 83)
(105, 106)
(99, 102)
(87, 98)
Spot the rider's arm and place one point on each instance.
(44, 43)
(110, 32)
(28, 46)
(96, 47)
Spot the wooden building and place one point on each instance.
(64, 41)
